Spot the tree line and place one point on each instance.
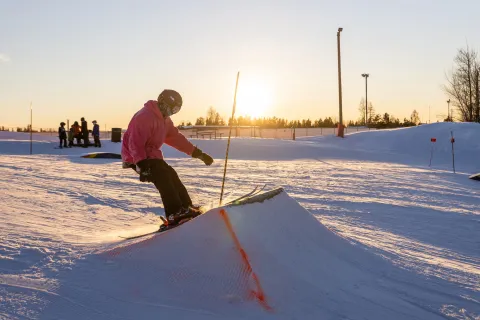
(385, 120)
(26, 129)
(381, 121)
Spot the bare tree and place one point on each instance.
(463, 85)
(476, 84)
(361, 109)
(371, 112)
(415, 118)
(213, 118)
(210, 119)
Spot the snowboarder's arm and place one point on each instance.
(176, 139)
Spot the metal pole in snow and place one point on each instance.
(431, 156)
(229, 135)
(452, 140)
(31, 128)
(433, 140)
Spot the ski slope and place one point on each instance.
(365, 229)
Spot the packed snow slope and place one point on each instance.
(365, 230)
(411, 146)
(300, 270)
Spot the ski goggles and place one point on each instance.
(171, 110)
(176, 109)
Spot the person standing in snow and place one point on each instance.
(96, 134)
(62, 134)
(85, 133)
(71, 134)
(147, 131)
(77, 132)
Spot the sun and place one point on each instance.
(253, 99)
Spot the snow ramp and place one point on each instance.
(262, 258)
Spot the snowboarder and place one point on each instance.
(85, 132)
(147, 131)
(96, 134)
(62, 134)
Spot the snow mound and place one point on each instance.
(258, 261)
(413, 145)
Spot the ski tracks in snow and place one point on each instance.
(57, 209)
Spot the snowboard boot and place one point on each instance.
(196, 209)
(183, 215)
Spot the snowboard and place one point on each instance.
(165, 226)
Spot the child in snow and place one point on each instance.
(77, 132)
(62, 134)
(148, 130)
(96, 134)
(71, 134)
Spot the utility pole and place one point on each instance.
(340, 126)
(366, 75)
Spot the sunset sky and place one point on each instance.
(103, 59)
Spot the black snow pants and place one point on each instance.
(172, 191)
(97, 142)
(86, 142)
(64, 140)
(79, 139)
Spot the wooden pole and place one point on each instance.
(229, 136)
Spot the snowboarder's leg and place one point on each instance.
(172, 202)
(179, 187)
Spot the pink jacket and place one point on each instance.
(146, 133)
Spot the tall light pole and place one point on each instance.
(448, 103)
(340, 126)
(366, 75)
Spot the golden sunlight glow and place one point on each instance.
(253, 99)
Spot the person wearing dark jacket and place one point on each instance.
(85, 133)
(96, 134)
(62, 135)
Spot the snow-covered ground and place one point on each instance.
(393, 238)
